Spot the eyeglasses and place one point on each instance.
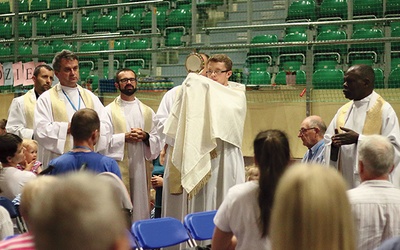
(217, 72)
(303, 130)
(125, 80)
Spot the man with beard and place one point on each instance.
(55, 108)
(367, 113)
(135, 142)
(20, 113)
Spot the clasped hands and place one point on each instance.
(136, 135)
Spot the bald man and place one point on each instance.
(367, 113)
(311, 132)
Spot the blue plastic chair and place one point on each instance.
(159, 232)
(14, 214)
(200, 225)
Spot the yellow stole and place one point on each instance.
(373, 119)
(119, 123)
(60, 112)
(29, 106)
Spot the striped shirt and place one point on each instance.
(20, 242)
(376, 209)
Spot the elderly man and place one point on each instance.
(376, 201)
(367, 113)
(55, 107)
(20, 113)
(312, 134)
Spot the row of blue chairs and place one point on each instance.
(165, 232)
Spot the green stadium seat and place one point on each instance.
(23, 6)
(139, 44)
(367, 34)
(120, 45)
(62, 26)
(259, 63)
(5, 51)
(106, 23)
(362, 57)
(98, 2)
(379, 78)
(331, 36)
(333, 8)
(161, 15)
(173, 36)
(367, 7)
(181, 16)
(280, 78)
(6, 30)
(134, 64)
(87, 47)
(131, 21)
(394, 78)
(59, 4)
(302, 9)
(395, 33)
(5, 7)
(45, 49)
(25, 28)
(395, 62)
(392, 7)
(291, 62)
(328, 79)
(326, 60)
(43, 27)
(38, 5)
(267, 50)
(328, 27)
(85, 69)
(259, 78)
(25, 51)
(106, 70)
(59, 45)
(294, 37)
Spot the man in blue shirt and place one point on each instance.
(85, 130)
(312, 134)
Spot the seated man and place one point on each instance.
(312, 134)
(81, 212)
(85, 130)
(376, 201)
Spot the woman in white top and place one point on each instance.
(242, 220)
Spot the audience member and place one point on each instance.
(54, 109)
(20, 113)
(30, 163)
(312, 134)
(252, 173)
(135, 142)
(367, 113)
(311, 211)
(3, 124)
(85, 126)
(242, 220)
(11, 178)
(216, 162)
(6, 224)
(30, 193)
(376, 201)
(157, 182)
(80, 212)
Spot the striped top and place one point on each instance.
(376, 209)
(20, 242)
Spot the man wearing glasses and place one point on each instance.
(312, 134)
(135, 142)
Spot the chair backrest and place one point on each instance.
(200, 225)
(7, 204)
(159, 232)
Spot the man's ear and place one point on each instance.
(391, 169)
(360, 167)
(116, 85)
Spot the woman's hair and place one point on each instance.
(312, 211)
(8, 146)
(272, 155)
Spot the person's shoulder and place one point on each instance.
(243, 189)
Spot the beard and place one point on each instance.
(129, 91)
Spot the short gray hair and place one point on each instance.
(64, 54)
(376, 153)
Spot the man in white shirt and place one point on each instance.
(135, 142)
(54, 109)
(367, 113)
(20, 113)
(376, 201)
(312, 134)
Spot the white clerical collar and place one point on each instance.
(363, 101)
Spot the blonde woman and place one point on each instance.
(311, 211)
